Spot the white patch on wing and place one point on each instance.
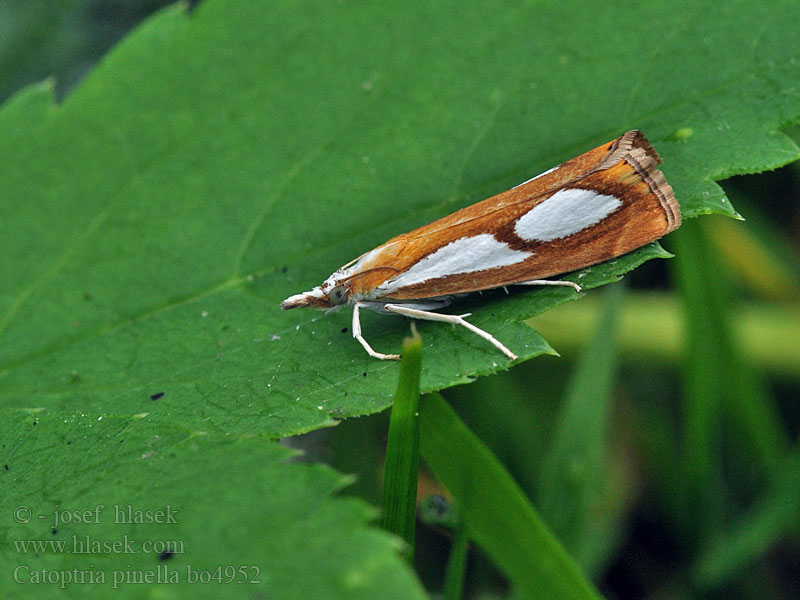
(464, 255)
(537, 177)
(564, 213)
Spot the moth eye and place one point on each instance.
(338, 294)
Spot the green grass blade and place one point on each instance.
(399, 499)
(707, 349)
(456, 564)
(773, 516)
(436, 511)
(497, 515)
(571, 481)
(718, 382)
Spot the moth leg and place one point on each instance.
(574, 286)
(454, 319)
(363, 342)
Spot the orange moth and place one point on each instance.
(590, 209)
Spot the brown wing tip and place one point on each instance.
(663, 190)
(634, 148)
(630, 140)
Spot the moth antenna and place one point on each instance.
(367, 271)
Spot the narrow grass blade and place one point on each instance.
(436, 511)
(572, 476)
(707, 348)
(456, 564)
(717, 382)
(402, 449)
(496, 514)
(774, 516)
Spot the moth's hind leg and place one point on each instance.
(454, 319)
(571, 284)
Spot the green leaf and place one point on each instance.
(226, 503)
(217, 162)
(496, 514)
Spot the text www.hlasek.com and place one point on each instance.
(86, 544)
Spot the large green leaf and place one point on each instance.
(90, 500)
(215, 163)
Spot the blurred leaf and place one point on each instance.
(41, 38)
(214, 164)
(574, 482)
(708, 349)
(232, 502)
(759, 254)
(718, 382)
(770, 332)
(33, 34)
(495, 512)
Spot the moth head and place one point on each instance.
(328, 295)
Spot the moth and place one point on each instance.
(590, 209)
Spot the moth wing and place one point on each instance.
(599, 205)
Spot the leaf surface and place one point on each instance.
(217, 162)
(94, 506)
